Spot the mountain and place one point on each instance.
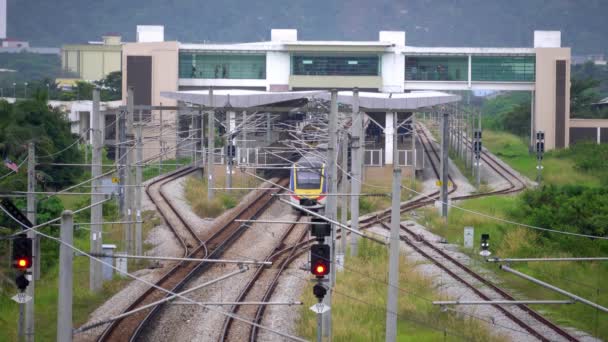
(426, 22)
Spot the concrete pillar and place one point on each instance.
(389, 130)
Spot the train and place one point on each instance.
(308, 182)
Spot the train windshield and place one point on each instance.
(308, 178)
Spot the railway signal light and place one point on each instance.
(319, 228)
(477, 134)
(21, 282)
(319, 260)
(230, 151)
(22, 252)
(540, 150)
(540, 135)
(485, 245)
(477, 146)
(319, 291)
(540, 147)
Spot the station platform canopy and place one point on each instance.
(395, 101)
(239, 98)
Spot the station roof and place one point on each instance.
(252, 98)
(488, 51)
(236, 97)
(396, 101)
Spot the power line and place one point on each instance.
(210, 308)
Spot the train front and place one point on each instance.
(308, 185)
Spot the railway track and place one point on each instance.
(264, 281)
(132, 327)
(522, 315)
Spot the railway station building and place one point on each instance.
(388, 65)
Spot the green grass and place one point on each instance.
(368, 204)
(558, 167)
(153, 170)
(196, 194)
(359, 305)
(507, 240)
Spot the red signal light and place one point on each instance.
(22, 252)
(23, 263)
(320, 269)
(319, 260)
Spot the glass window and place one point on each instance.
(308, 179)
(436, 68)
(201, 65)
(503, 69)
(335, 65)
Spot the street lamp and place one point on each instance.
(48, 91)
(15, 90)
(25, 93)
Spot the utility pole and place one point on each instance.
(458, 132)
(139, 188)
(229, 148)
(31, 216)
(192, 137)
(95, 278)
(332, 201)
(244, 138)
(160, 140)
(479, 152)
(198, 145)
(120, 160)
(356, 150)
(128, 215)
(414, 154)
(445, 137)
(343, 190)
(393, 269)
(210, 146)
(202, 137)
(268, 129)
(66, 284)
(471, 125)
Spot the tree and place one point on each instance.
(583, 92)
(111, 86)
(33, 120)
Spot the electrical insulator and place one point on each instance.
(22, 252)
(319, 260)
